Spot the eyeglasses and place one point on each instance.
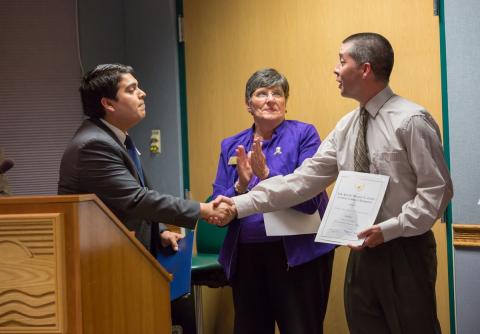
(265, 95)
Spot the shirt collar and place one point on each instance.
(116, 131)
(377, 102)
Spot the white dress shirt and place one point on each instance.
(404, 143)
(116, 131)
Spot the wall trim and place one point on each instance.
(466, 235)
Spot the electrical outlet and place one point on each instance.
(155, 143)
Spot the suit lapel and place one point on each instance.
(126, 157)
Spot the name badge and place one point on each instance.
(232, 160)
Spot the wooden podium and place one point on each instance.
(68, 265)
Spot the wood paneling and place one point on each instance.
(226, 41)
(466, 235)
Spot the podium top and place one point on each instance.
(48, 199)
(35, 200)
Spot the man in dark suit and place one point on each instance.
(5, 165)
(102, 159)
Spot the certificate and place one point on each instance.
(290, 222)
(353, 207)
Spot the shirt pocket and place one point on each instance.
(393, 163)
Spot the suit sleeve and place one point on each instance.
(103, 171)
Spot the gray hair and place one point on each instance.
(369, 47)
(267, 77)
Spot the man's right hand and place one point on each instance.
(218, 212)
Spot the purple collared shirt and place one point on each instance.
(291, 143)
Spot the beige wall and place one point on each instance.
(226, 41)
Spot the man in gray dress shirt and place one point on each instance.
(390, 279)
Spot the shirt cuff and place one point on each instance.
(244, 205)
(391, 229)
(161, 228)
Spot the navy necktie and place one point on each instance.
(132, 151)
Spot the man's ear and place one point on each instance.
(367, 69)
(107, 104)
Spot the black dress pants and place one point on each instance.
(391, 288)
(266, 290)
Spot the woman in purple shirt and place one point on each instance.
(274, 279)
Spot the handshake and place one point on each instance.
(220, 211)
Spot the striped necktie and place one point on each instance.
(360, 155)
(132, 152)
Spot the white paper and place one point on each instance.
(352, 208)
(290, 222)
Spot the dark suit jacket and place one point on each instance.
(96, 162)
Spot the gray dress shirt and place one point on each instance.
(404, 143)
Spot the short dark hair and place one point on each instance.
(267, 77)
(101, 82)
(373, 48)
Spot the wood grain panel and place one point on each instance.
(107, 254)
(466, 235)
(31, 274)
(114, 285)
